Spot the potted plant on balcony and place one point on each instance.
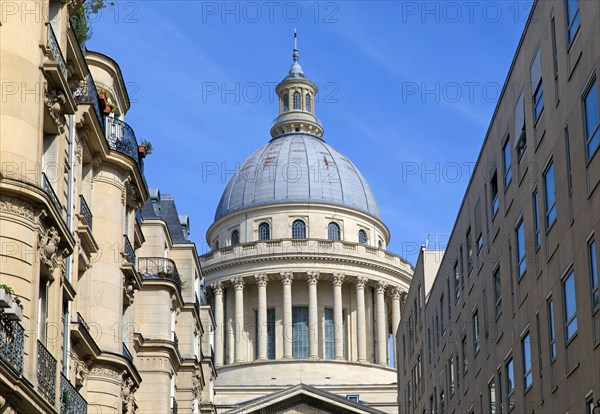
(145, 148)
(164, 274)
(13, 308)
(6, 300)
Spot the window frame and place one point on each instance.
(497, 281)
(551, 327)
(308, 102)
(297, 101)
(592, 83)
(527, 365)
(570, 23)
(261, 234)
(362, 237)
(235, 237)
(520, 248)
(506, 163)
(550, 209)
(476, 333)
(510, 383)
(592, 254)
(298, 231)
(338, 229)
(569, 319)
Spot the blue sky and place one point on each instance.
(407, 92)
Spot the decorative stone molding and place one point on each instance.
(286, 278)
(338, 279)
(78, 154)
(217, 288)
(197, 384)
(312, 277)
(48, 241)
(55, 101)
(380, 287)
(17, 207)
(261, 279)
(127, 392)
(128, 291)
(396, 293)
(105, 370)
(238, 283)
(360, 282)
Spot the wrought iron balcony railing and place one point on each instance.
(128, 249)
(159, 268)
(174, 406)
(48, 189)
(85, 211)
(11, 343)
(121, 138)
(46, 373)
(88, 94)
(54, 47)
(71, 402)
(126, 353)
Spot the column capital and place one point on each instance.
(312, 277)
(338, 279)
(380, 287)
(395, 293)
(286, 277)
(261, 279)
(360, 282)
(217, 288)
(238, 283)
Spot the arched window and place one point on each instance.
(308, 103)
(362, 237)
(297, 100)
(333, 231)
(286, 103)
(298, 230)
(380, 243)
(264, 231)
(216, 244)
(235, 237)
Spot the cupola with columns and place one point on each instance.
(296, 102)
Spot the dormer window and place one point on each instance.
(297, 101)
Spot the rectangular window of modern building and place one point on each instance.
(507, 163)
(572, 7)
(451, 381)
(526, 352)
(520, 125)
(594, 274)
(456, 283)
(554, 56)
(442, 325)
(570, 306)
(465, 357)
(494, 194)
(476, 332)
(329, 334)
(300, 332)
(442, 401)
(492, 397)
(497, 293)
(536, 218)
(592, 119)
(520, 248)
(537, 87)
(469, 247)
(550, 196)
(449, 299)
(478, 227)
(510, 385)
(551, 328)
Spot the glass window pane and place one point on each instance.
(300, 332)
(329, 334)
(570, 305)
(591, 119)
(333, 231)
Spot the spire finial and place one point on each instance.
(295, 46)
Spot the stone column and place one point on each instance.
(361, 323)
(313, 325)
(262, 337)
(381, 319)
(338, 323)
(238, 284)
(217, 288)
(395, 319)
(286, 280)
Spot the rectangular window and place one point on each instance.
(300, 332)
(270, 334)
(527, 372)
(499, 404)
(457, 372)
(329, 334)
(476, 332)
(554, 56)
(442, 314)
(536, 218)
(478, 227)
(592, 120)
(520, 248)
(451, 373)
(510, 384)
(492, 397)
(494, 194)
(449, 299)
(538, 101)
(469, 247)
(550, 196)
(462, 268)
(594, 274)
(520, 125)
(551, 329)
(465, 357)
(442, 401)
(497, 293)
(570, 306)
(456, 283)
(572, 19)
(507, 163)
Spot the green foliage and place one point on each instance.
(148, 145)
(81, 20)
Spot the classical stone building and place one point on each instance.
(74, 294)
(304, 293)
(509, 319)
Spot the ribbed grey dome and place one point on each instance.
(297, 168)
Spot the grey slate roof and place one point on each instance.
(297, 167)
(162, 207)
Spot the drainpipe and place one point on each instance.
(66, 342)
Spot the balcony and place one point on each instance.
(88, 94)
(71, 402)
(128, 250)
(158, 268)
(121, 138)
(46, 373)
(54, 47)
(11, 343)
(296, 116)
(85, 211)
(49, 190)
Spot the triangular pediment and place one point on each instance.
(303, 399)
